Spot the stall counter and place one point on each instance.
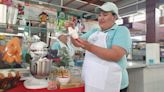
(21, 88)
(145, 78)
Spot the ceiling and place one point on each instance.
(86, 7)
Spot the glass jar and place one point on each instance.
(52, 83)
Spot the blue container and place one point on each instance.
(79, 63)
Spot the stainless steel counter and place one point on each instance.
(145, 78)
(133, 64)
(140, 64)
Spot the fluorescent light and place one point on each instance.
(141, 16)
(10, 34)
(21, 28)
(139, 38)
(137, 18)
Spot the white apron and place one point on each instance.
(100, 75)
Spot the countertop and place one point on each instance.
(135, 64)
(139, 64)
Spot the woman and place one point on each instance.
(104, 68)
(63, 41)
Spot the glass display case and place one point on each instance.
(22, 21)
(138, 50)
(162, 51)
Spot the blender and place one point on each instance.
(40, 66)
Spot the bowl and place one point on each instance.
(63, 80)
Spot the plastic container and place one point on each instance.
(52, 83)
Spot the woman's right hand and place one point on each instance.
(75, 42)
(81, 43)
(69, 24)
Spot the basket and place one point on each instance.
(9, 81)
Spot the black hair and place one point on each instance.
(114, 14)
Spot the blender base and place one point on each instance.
(33, 83)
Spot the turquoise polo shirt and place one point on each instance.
(118, 36)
